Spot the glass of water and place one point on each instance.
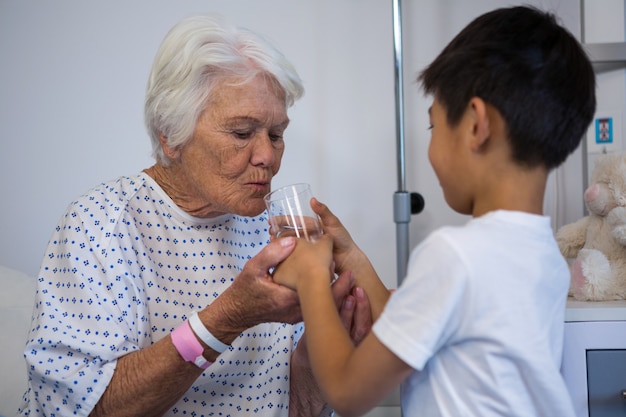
(290, 213)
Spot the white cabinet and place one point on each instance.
(594, 357)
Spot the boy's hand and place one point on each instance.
(347, 255)
(308, 261)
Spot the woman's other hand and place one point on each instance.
(254, 297)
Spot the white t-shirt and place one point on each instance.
(480, 315)
(123, 268)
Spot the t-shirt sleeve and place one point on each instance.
(423, 315)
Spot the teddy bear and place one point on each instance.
(596, 243)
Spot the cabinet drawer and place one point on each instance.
(606, 382)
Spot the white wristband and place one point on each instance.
(205, 335)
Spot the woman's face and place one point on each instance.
(236, 149)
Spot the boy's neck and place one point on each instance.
(514, 190)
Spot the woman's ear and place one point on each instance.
(481, 127)
(171, 153)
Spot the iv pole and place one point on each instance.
(404, 203)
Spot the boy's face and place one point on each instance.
(447, 155)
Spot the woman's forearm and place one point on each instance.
(305, 398)
(150, 381)
(147, 382)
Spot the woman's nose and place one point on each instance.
(264, 152)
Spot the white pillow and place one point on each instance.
(17, 295)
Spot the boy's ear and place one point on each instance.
(481, 129)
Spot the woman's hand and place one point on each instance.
(254, 297)
(356, 314)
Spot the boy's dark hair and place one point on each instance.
(533, 71)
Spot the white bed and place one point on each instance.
(16, 305)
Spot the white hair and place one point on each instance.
(197, 54)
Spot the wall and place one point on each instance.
(604, 23)
(71, 99)
(73, 82)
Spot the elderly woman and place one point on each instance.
(154, 296)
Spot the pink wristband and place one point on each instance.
(188, 346)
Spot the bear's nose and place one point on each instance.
(599, 200)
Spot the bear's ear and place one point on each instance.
(617, 180)
(606, 167)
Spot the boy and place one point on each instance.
(476, 327)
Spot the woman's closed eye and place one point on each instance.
(243, 134)
(276, 136)
(249, 134)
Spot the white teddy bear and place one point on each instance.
(597, 242)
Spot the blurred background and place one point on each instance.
(72, 87)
